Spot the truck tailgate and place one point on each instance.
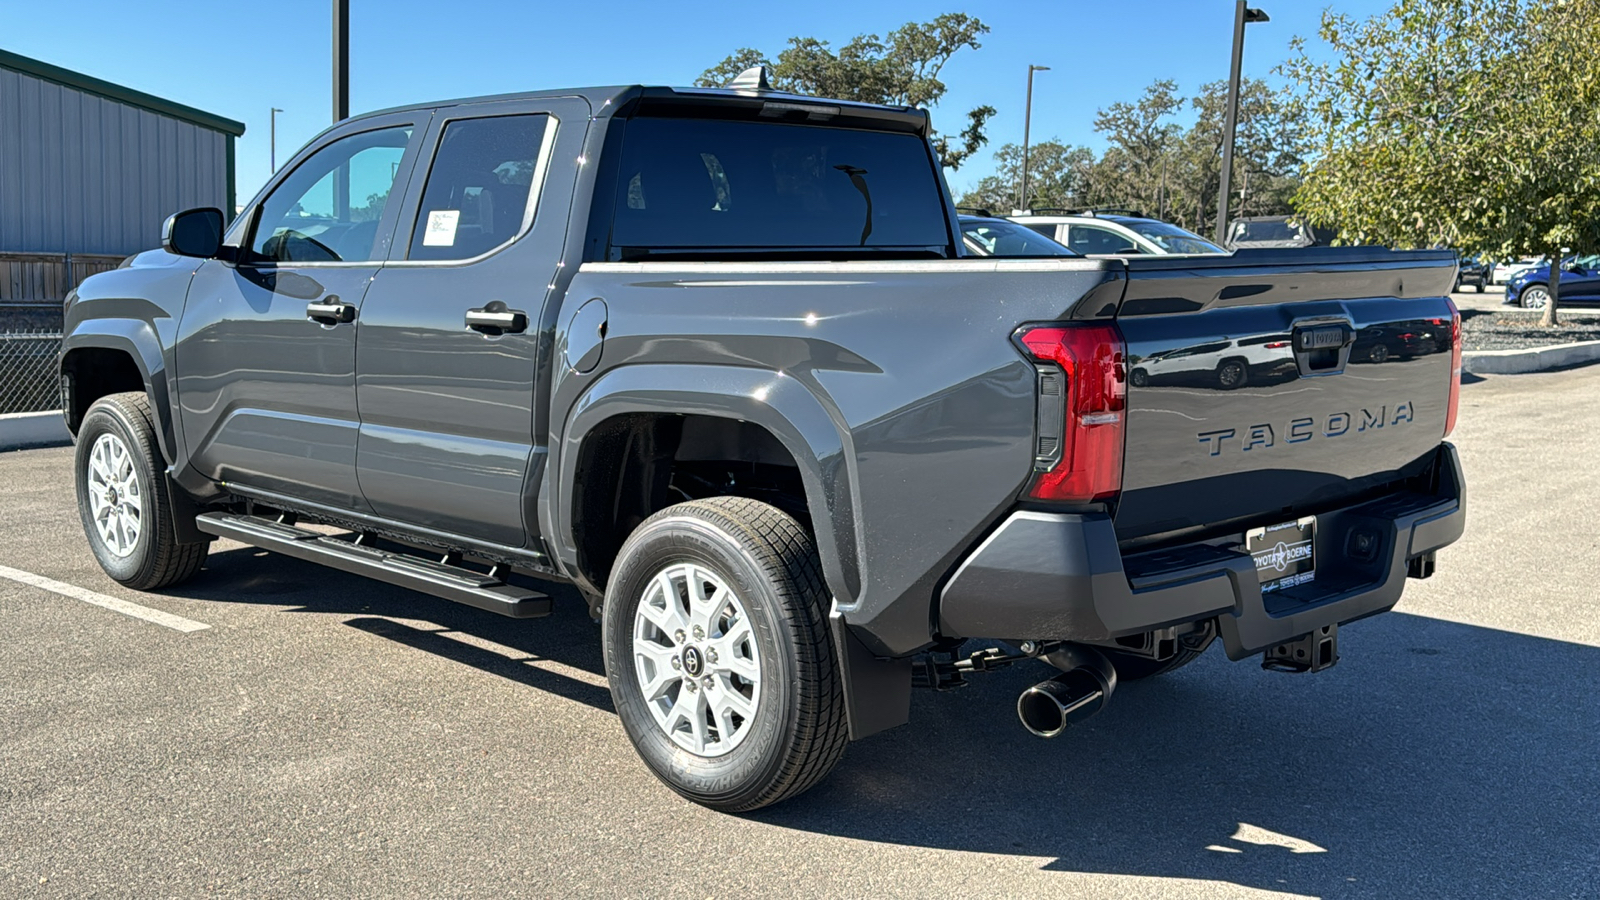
(1278, 383)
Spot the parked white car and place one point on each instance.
(1114, 234)
(1504, 272)
(1225, 364)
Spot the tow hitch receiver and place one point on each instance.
(1307, 653)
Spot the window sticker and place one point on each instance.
(441, 228)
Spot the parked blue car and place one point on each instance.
(1580, 284)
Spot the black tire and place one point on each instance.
(1233, 374)
(1139, 378)
(798, 731)
(1379, 353)
(156, 559)
(1480, 287)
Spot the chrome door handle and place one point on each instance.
(496, 319)
(330, 311)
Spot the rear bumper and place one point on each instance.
(1061, 576)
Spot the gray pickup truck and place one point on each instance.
(718, 358)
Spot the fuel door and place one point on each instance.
(586, 336)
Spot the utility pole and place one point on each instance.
(1027, 124)
(341, 60)
(1242, 16)
(273, 153)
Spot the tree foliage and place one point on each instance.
(1473, 124)
(902, 70)
(1154, 163)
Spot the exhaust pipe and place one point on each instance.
(1086, 683)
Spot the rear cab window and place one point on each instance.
(693, 188)
(482, 186)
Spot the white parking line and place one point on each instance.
(168, 620)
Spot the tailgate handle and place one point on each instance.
(1323, 348)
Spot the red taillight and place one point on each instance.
(1276, 345)
(1093, 360)
(1455, 369)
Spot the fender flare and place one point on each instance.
(777, 402)
(139, 341)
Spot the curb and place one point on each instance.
(1538, 359)
(19, 431)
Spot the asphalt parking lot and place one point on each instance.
(327, 736)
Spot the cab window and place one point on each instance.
(477, 194)
(329, 207)
(1091, 239)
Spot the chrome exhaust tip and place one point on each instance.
(1047, 708)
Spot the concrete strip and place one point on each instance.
(35, 429)
(1537, 359)
(72, 591)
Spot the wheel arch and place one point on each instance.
(100, 357)
(778, 404)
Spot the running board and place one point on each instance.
(484, 591)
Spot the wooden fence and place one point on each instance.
(28, 278)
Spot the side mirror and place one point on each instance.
(193, 232)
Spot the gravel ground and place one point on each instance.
(1521, 330)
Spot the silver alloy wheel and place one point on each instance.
(696, 660)
(1535, 298)
(115, 503)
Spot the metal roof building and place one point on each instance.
(91, 167)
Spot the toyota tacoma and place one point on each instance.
(718, 358)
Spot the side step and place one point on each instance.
(439, 579)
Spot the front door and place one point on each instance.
(452, 327)
(267, 346)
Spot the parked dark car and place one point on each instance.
(1474, 271)
(1580, 284)
(1401, 340)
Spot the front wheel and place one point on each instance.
(1535, 296)
(123, 497)
(718, 653)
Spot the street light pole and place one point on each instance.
(341, 60)
(273, 153)
(1242, 16)
(1027, 125)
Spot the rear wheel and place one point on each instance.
(1139, 378)
(1232, 374)
(123, 497)
(718, 653)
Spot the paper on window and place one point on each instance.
(441, 228)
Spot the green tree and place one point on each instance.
(902, 69)
(1473, 124)
(1058, 176)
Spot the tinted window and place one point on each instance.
(1173, 239)
(329, 207)
(999, 238)
(1087, 239)
(477, 192)
(695, 184)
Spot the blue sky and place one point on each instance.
(239, 59)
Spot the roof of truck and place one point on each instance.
(599, 98)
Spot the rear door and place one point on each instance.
(1313, 423)
(448, 360)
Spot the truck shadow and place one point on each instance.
(1437, 759)
(567, 636)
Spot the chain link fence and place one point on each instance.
(28, 381)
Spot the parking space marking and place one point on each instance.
(156, 616)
